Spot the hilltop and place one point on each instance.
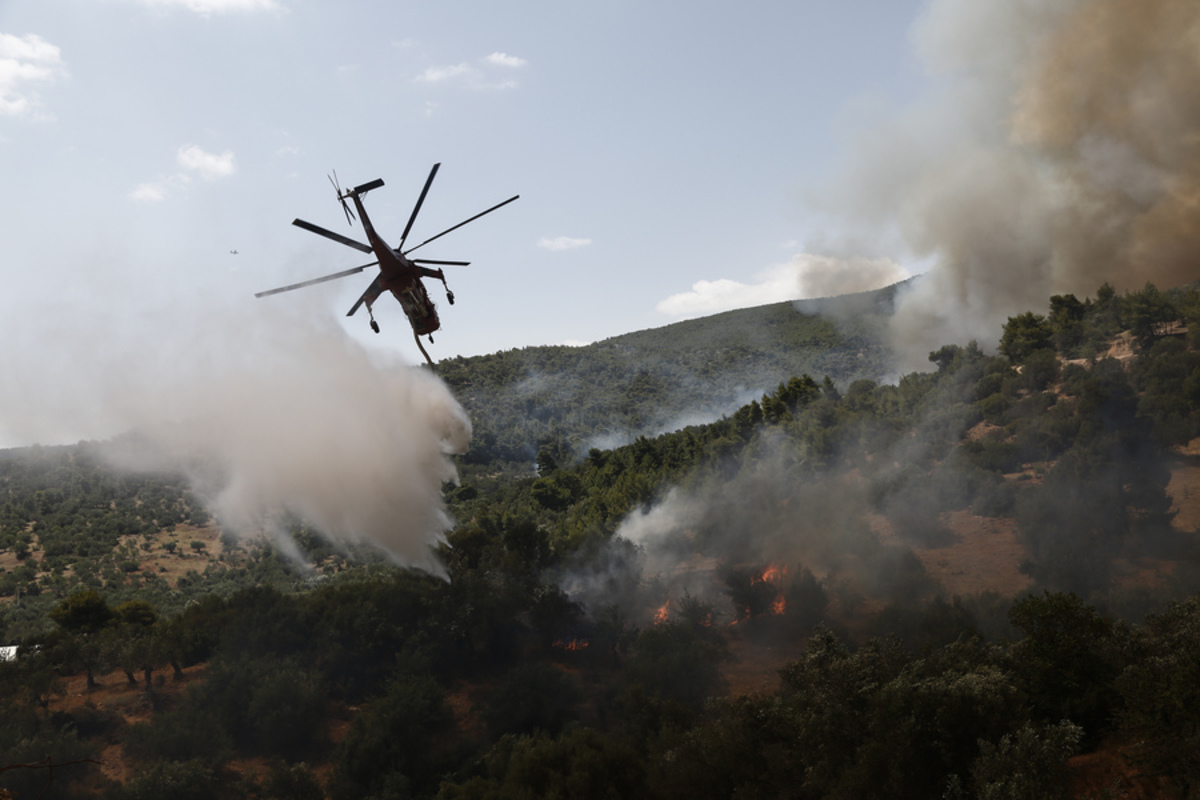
(648, 382)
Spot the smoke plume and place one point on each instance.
(1061, 152)
(272, 411)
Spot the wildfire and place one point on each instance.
(660, 616)
(772, 574)
(572, 646)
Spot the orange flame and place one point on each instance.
(573, 645)
(660, 616)
(772, 574)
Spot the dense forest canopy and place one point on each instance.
(599, 599)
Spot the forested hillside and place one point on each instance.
(952, 574)
(645, 383)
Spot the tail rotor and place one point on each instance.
(341, 196)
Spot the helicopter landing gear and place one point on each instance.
(441, 276)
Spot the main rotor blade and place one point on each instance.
(328, 234)
(441, 263)
(417, 207)
(464, 222)
(302, 284)
(373, 288)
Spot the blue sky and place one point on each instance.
(666, 156)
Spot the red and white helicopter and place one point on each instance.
(398, 273)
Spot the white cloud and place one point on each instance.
(149, 192)
(157, 191)
(472, 76)
(505, 60)
(440, 74)
(562, 243)
(805, 276)
(209, 165)
(25, 60)
(206, 7)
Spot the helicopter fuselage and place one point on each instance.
(401, 277)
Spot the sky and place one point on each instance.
(664, 158)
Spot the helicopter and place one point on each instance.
(398, 273)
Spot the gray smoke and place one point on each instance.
(1060, 152)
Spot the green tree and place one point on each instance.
(1030, 764)
(84, 611)
(1066, 660)
(1161, 692)
(394, 749)
(581, 763)
(1145, 312)
(1024, 334)
(532, 697)
(678, 662)
(1067, 323)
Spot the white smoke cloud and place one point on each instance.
(293, 413)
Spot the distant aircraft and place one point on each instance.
(397, 272)
(233, 252)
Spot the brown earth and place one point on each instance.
(1112, 772)
(131, 704)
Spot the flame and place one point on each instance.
(772, 574)
(574, 645)
(660, 616)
